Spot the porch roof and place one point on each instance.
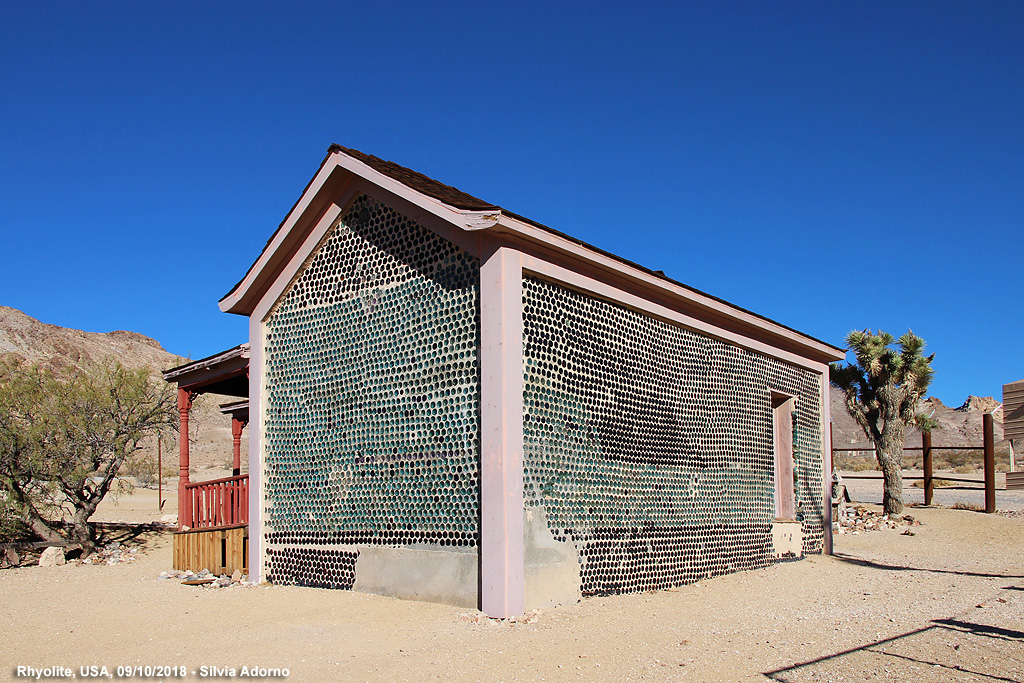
(226, 372)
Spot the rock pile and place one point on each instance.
(207, 579)
(855, 519)
(10, 558)
(110, 554)
(479, 618)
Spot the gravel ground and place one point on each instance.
(946, 604)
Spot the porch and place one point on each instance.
(213, 515)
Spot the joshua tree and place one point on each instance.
(882, 394)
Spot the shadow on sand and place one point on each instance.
(935, 648)
(873, 564)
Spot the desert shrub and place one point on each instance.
(11, 526)
(959, 458)
(853, 462)
(937, 483)
(142, 467)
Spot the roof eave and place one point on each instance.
(340, 167)
(332, 175)
(173, 374)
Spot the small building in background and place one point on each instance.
(450, 402)
(1013, 428)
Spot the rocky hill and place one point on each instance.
(59, 347)
(957, 426)
(25, 338)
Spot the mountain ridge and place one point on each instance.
(34, 341)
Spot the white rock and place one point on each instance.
(52, 557)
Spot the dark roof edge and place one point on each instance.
(227, 354)
(452, 196)
(280, 225)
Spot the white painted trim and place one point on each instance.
(689, 296)
(826, 460)
(228, 303)
(466, 241)
(784, 395)
(321, 230)
(257, 550)
(257, 334)
(502, 543)
(563, 276)
(429, 212)
(465, 220)
(294, 266)
(783, 406)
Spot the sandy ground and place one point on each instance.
(946, 604)
(141, 505)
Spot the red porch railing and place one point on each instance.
(218, 502)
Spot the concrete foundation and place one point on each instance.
(447, 576)
(552, 568)
(788, 538)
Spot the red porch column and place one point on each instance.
(237, 425)
(184, 502)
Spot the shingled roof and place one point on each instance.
(452, 196)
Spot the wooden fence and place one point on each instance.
(988, 447)
(222, 551)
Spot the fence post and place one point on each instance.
(159, 473)
(990, 462)
(926, 465)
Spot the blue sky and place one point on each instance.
(829, 165)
